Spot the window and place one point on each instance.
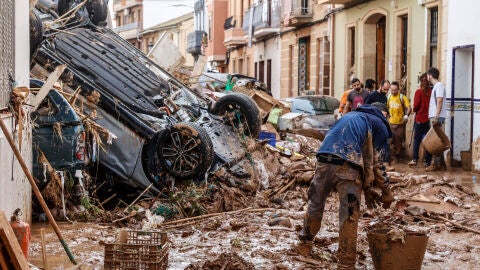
(261, 71)
(269, 73)
(240, 66)
(404, 44)
(256, 70)
(210, 27)
(351, 46)
(433, 37)
(234, 66)
(323, 66)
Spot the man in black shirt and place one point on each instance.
(379, 95)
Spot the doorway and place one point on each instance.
(374, 47)
(462, 103)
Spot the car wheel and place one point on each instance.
(185, 150)
(97, 11)
(241, 110)
(36, 32)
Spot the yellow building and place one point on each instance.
(386, 39)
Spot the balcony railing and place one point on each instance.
(266, 18)
(195, 42)
(298, 12)
(126, 27)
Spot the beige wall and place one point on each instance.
(289, 58)
(417, 49)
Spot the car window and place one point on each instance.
(46, 108)
(315, 104)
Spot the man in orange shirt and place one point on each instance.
(343, 100)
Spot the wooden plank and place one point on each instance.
(43, 92)
(14, 257)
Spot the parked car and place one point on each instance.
(160, 124)
(319, 111)
(59, 133)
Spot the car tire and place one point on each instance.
(243, 104)
(97, 9)
(36, 32)
(185, 150)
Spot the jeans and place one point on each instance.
(421, 130)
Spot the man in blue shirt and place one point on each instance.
(347, 162)
(379, 95)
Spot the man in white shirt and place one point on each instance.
(437, 113)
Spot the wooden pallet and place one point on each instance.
(11, 256)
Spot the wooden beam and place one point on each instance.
(43, 92)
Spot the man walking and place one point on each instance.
(346, 163)
(356, 97)
(399, 109)
(436, 113)
(379, 95)
(422, 123)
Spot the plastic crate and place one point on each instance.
(138, 250)
(263, 135)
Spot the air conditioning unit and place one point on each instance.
(421, 2)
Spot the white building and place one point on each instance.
(463, 79)
(15, 190)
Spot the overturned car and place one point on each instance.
(161, 126)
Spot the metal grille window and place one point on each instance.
(7, 49)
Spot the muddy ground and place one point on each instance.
(261, 236)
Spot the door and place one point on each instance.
(380, 55)
(303, 53)
(461, 102)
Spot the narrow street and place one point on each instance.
(254, 241)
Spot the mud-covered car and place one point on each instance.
(59, 134)
(320, 111)
(160, 124)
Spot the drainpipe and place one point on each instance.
(331, 33)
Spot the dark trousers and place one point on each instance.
(398, 137)
(421, 130)
(345, 180)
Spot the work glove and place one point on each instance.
(405, 119)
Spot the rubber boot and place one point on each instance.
(347, 240)
(311, 226)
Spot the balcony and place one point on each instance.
(341, 2)
(128, 31)
(266, 19)
(300, 12)
(119, 5)
(195, 42)
(234, 36)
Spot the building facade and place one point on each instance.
(305, 49)
(385, 39)
(176, 30)
(215, 50)
(14, 50)
(133, 17)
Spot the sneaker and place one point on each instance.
(431, 168)
(413, 162)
